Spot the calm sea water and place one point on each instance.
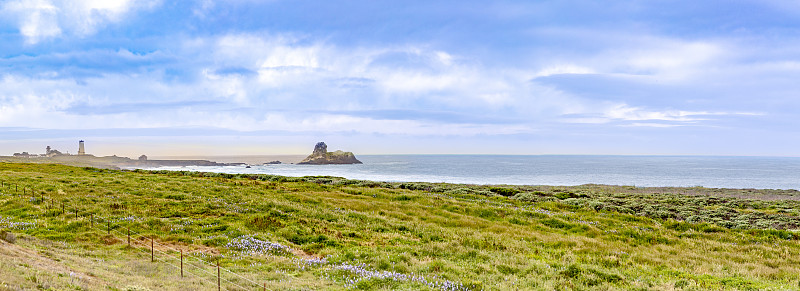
(722, 172)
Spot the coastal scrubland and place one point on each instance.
(111, 162)
(65, 227)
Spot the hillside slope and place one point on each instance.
(70, 227)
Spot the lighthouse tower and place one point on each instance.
(81, 150)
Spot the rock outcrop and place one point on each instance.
(321, 156)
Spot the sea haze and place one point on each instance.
(717, 172)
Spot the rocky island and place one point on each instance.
(321, 156)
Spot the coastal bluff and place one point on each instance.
(321, 156)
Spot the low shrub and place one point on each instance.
(568, 194)
(504, 191)
(774, 233)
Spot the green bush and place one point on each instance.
(677, 225)
(265, 222)
(178, 197)
(572, 271)
(403, 198)
(504, 191)
(311, 239)
(774, 233)
(507, 270)
(568, 194)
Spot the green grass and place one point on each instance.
(476, 237)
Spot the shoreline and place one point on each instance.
(488, 171)
(717, 172)
(740, 193)
(173, 169)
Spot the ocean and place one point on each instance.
(681, 171)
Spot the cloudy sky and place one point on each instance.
(374, 77)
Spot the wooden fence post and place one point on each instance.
(129, 237)
(181, 263)
(152, 251)
(219, 285)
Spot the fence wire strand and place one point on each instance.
(114, 228)
(167, 255)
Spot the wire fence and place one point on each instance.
(197, 266)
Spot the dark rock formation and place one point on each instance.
(273, 163)
(321, 156)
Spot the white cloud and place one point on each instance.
(48, 107)
(83, 17)
(231, 87)
(266, 82)
(562, 69)
(292, 65)
(444, 57)
(39, 20)
(284, 56)
(671, 59)
(628, 113)
(641, 117)
(335, 123)
(656, 125)
(620, 52)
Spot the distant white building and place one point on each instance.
(50, 152)
(81, 150)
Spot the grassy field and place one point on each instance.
(65, 228)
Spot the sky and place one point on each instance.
(246, 77)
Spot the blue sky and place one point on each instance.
(488, 77)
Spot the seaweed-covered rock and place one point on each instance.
(321, 156)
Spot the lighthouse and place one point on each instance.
(81, 150)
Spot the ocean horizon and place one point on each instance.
(557, 170)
